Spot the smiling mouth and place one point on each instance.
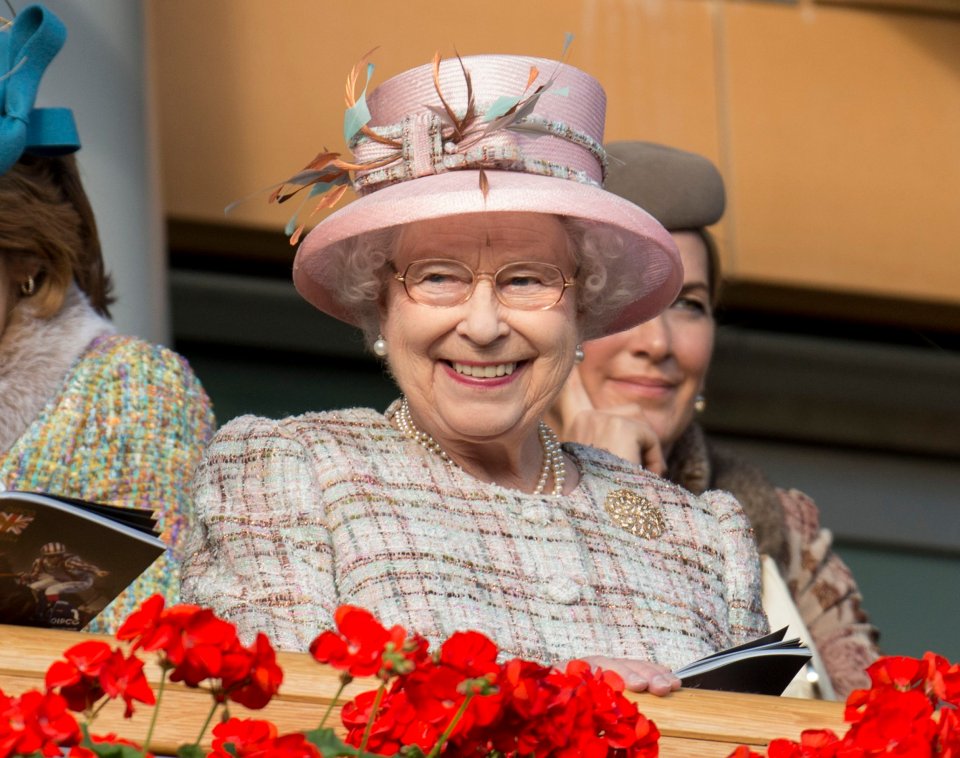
(489, 371)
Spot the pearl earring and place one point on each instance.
(28, 286)
(380, 346)
(700, 403)
(578, 354)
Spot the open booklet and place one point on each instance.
(764, 666)
(63, 560)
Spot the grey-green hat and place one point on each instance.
(681, 190)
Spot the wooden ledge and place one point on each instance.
(694, 723)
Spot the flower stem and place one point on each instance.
(373, 716)
(203, 729)
(449, 730)
(336, 699)
(96, 711)
(156, 710)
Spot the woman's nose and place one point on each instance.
(483, 318)
(651, 339)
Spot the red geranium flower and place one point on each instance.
(894, 723)
(196, 650)
(899, 672)
(944, 678)
(948, 733)
(123, 677)
(145, 627)
(397, 723)
(814, 743)
(250, 738)
(466, 665)
(36, 722)
(193, 641)
(247, 737)
(359, 644)
(78, 677)
(471, 653)
(256, 679)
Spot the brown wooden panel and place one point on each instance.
(910, 6)
(845, 167)
(248, 91)
(693, 722)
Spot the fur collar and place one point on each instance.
(35, 356)
(698, 465)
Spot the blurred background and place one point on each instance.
(836, 126)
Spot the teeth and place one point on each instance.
(485, 372)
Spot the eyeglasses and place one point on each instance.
(524, 285)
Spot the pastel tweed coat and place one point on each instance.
(298, 516)
(90, 414)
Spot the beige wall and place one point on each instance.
(836, 128)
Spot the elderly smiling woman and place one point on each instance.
(481, 253)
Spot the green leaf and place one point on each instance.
(330, 745)
(113, 750)
(195, 751)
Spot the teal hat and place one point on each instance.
(27, 46)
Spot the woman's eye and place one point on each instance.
(441, 276)
(523, 281)
(692, 305)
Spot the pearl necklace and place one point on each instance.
(553, 463)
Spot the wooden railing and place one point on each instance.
(694, 723)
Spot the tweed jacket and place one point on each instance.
(298, 516)
(787, 525)
(106, 418)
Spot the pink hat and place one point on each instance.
(485, 134)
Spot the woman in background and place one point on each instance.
(637, 394)
(84, 412)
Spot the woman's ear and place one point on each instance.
(22, 273)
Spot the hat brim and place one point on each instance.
(650, 257)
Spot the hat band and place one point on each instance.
(522, 146)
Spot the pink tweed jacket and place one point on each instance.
(298, 516)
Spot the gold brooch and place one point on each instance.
(635, 514)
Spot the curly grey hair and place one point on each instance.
(359, 271)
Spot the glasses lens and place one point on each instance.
(438, 282)
(530, 285)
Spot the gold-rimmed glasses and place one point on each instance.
(525, 285)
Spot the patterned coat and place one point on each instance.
(787, 525)
(298, 516)
(106, 418)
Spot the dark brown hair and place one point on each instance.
(714, 271)
(45, 217)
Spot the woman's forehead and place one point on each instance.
(528, 236)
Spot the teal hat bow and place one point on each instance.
(26, 48)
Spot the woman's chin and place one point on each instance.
(477, 422)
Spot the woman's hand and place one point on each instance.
(622, 430)
(639, 676)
